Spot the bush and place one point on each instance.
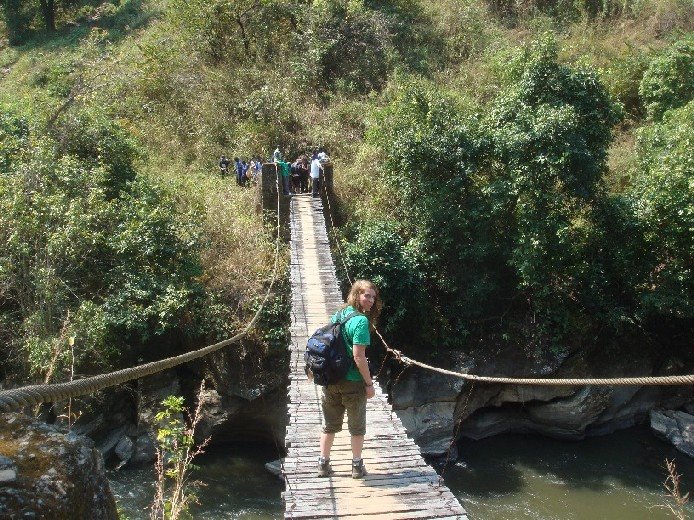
(380, 254)
(14, 137)
(664, 204)
(80, 259)
(445, 206)
(669, 81)
(347, 48)
(551, 132)
(98, 141)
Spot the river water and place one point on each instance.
(615, 477)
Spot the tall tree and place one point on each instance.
(48, 13)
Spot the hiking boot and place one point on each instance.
(324, 468)
(358, 470)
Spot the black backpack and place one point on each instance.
(326, 356)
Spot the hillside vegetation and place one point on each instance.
(515, 173)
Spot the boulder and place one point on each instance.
(124, 449)
(245, 396)
(431, 425)
(275, 468)
(145, 450)
(426, 404)
(674, 427)
(435, 407)
(47, 473)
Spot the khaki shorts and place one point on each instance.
(349, 396)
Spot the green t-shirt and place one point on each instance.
(284, 168)
(354, 331)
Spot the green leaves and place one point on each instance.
(669, 81)
(507, 211)
(88, 250)
(663, 198)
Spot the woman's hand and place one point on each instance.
(370, 391)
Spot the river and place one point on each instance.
(615, 477)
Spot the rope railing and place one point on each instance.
(32, 395)
(605, 381)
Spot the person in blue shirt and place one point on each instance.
(350, 394)
(240, 177)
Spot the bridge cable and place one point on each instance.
(31, 395)
(614, 381)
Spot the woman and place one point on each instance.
(351, 393)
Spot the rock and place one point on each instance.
(569, 417)
(124, 449)
(433, 424)
(674, 427)
(56, 476)
(213, 412)
(107, 446)
(91, 427)
(247, 395)
(627, 407)
(436, 407)
(426, 404)
(275, 467)
(7, 475)
(152, 391)
(145, 449)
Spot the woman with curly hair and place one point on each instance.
(350, 394)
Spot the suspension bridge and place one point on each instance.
(399, 483)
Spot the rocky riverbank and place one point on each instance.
(433, 407)
(244, 400)
(48, 474)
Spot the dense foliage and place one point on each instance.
(509, 173)
(506, 217)
(663, 198)
(90, 251)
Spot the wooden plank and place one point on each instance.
(399, 483)
(394, 515)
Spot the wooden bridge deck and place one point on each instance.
(399, 483)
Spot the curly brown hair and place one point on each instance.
(358, 288)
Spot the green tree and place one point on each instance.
(114, 264)
(20, 14)
(663, 198)
(551, 132)
(380, 254)
(669, 81)
(445, 207)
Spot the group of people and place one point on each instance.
(245, 171)
(301, 176)
(297, 175)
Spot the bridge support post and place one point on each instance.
(326, 192)
(327, 175)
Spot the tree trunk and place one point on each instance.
(48, 11)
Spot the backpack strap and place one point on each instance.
(349, 317)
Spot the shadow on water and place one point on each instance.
(619, 476)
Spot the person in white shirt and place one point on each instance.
(315, 175)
